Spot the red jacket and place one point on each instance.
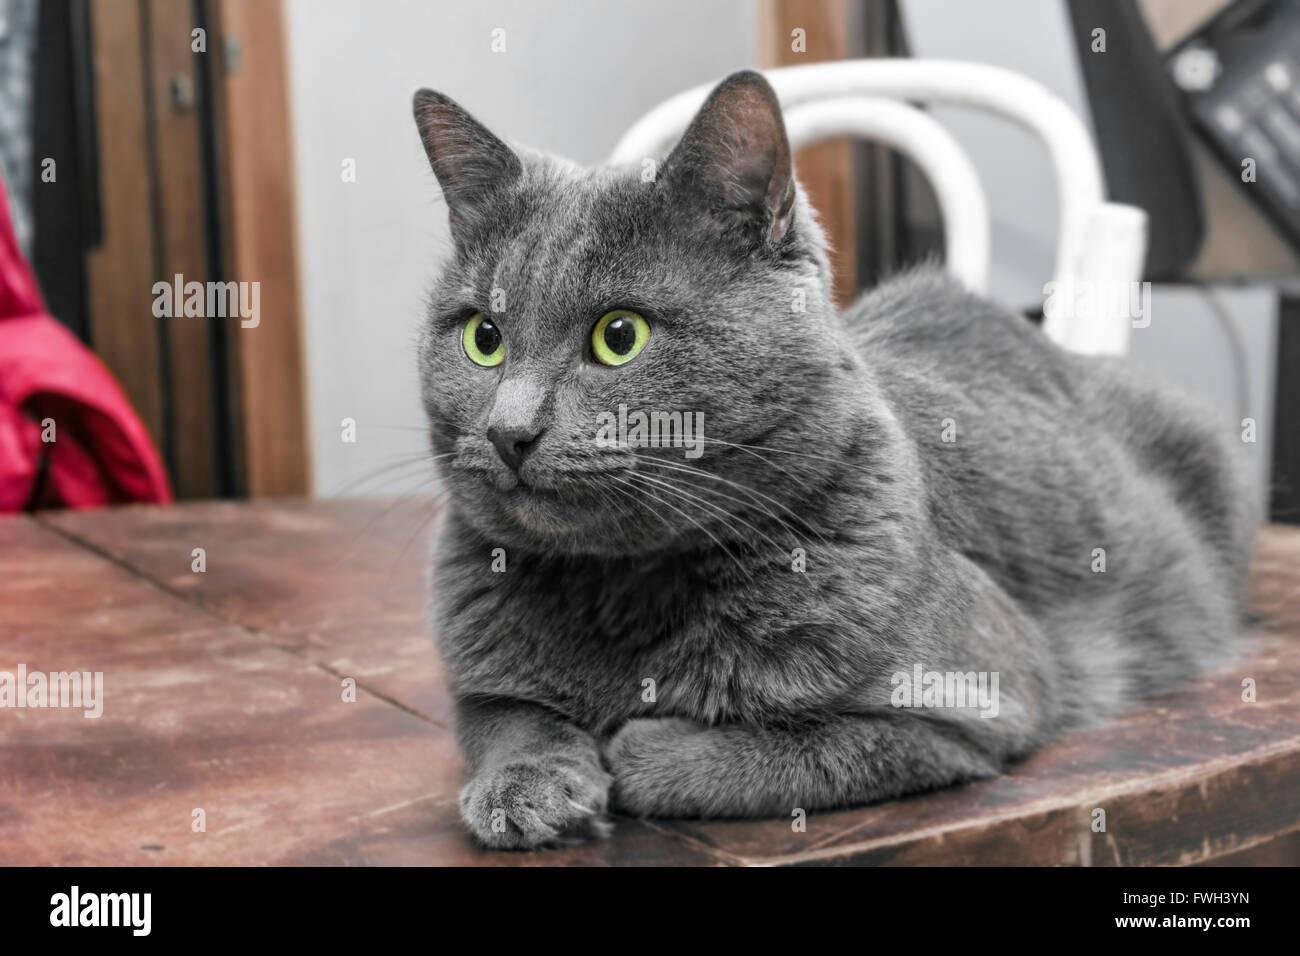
(101, 453)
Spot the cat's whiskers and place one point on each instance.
(391, 468)
(682, 467)
(728, 519)
(392, 472)
(432, 513)
(626, 479)
(615, 505)
(625, 501)
(754, 449)
(718, 509)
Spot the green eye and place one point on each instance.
(483, 342)
(619, 337)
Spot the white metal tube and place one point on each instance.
(934, 150)
(1078, 173)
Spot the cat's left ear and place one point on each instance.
(734, 159)
(469, 161)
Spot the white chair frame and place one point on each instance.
(1101, 246)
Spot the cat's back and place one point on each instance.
(1049, 451)
(925, 321)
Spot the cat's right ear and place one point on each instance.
(468, 160)
(733, 161)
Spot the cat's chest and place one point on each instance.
(606, 643)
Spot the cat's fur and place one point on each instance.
(772, 685)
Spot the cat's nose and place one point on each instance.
(513, 444)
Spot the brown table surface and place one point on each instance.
(223, 691)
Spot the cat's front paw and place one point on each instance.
(534, 802)
(651, 761)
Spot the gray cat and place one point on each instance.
(919, 495)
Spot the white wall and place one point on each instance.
(575, 74)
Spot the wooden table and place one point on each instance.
(224, 692)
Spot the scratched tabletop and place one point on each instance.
(229, 735)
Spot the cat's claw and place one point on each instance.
(536, 802)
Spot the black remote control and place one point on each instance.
(1239, 74)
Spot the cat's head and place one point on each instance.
(577, 298)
